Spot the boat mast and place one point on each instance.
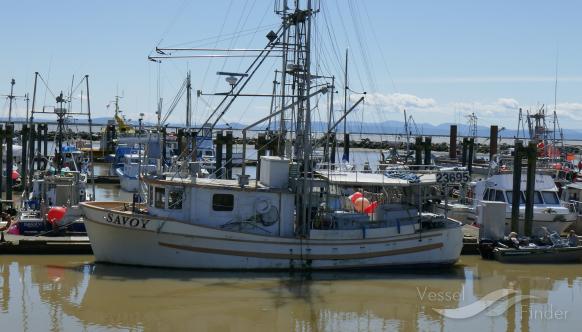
(346, 155)
(90, 140)
(346, 92)
(296, 79)
(11, 97)
(188, 101)
(407, 136)
(61, 113)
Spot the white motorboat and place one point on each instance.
(133, 166)
(549, 210)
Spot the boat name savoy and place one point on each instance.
(127, 221)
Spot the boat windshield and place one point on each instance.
(550, 197)
(538, 198)
(509, 195)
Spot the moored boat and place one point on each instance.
(291, 216)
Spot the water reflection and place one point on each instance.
(74, 293)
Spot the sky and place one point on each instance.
(439, 60)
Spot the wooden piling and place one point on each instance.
(24, 139)
(229, 140)
(9, 159)
(346, 155)
(427, 150)
(516, 194)
(219, 142)
(194, 142)
(44, 138)
(470, 157)
(531, 153)
(493, 141)
(453, 142)
(164, 152)
(418, 151)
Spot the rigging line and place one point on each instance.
(364, 51)
(332, 39)
(252, 99)
(76, 87)
(217, 41)
(379, 46)
(175, 101)
(255, 33)
(228, 35)
(266, 51)
(46, 86)
(252, 69)
(179, 12)
(49, 76)
(362, 47)
(233, 41)
(556, 81)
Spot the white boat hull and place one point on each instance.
(127, 183)
(137, 239)
(466, 215)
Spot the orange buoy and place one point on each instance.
(56, 214)
(355, 196)
(361, 204)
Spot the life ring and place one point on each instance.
(262, 206)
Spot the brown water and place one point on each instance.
(71, 293)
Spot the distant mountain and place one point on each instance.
(382, 128)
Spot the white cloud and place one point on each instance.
(399, 101)
(572, 111)
(488, 79)
(508, 103)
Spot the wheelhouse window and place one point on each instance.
(160, 198)
(175, 198)
(486, 194)
(550, 197)
(538, 198)
(509, 195)
(222, 202)
(489, 194)
(499, 197)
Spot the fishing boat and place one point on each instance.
(50, 201)
(292, 216)
(224, 224)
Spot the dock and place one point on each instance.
(45, 245)
(100, 179)
(470, 243)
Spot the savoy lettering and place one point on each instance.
(132, 222)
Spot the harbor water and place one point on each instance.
(73, 293)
